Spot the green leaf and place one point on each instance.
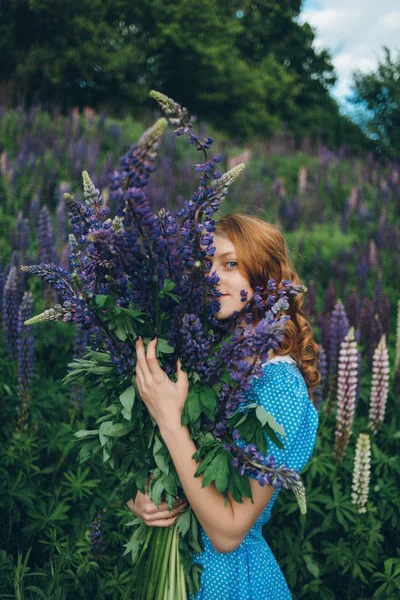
(208, 399)
(265, 417)
(161, 456)
(120, 332)
(118, 430)
(163, 347)
(136, 542)
(170, 484)
(273, 437)
(88, 449)
(183, 523)
(102, 301)
(206, 461)
(221, 469)
(226, 377)
(243, 483)
(192, 408)
(156, 490)
(127, 399)
(169, 285)
(84, 433)
(103, 432)
(312, 566)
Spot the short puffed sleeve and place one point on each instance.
(282, 391)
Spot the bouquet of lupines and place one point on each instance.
(144, 274)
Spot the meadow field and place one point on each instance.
(63, 525)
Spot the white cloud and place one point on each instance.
(355, 32)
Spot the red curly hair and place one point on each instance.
(263, 255)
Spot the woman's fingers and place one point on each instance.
(139, 374)
(145, 509)
(141, 359)
(153, 363)
(152, 517)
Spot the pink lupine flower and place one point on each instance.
(361, 472)
(346, 393)
(380, 386)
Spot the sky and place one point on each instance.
(354, 31)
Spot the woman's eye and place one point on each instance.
(207, 265)
(232, 262)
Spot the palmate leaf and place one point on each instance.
(137, 539)
(47, 514)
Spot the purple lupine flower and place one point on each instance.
(377, 297)
(195, 346)
(16, 262)
(311, 299)
(46, 237)
(339, 328)
(65, 262)
(250, 461)
(382, 232)
(95, 537)
(20, 235)
(372, 255)
(325, 325)
(352, 309)
(25, 359)
(323, 369)
(346, 393)
(362, 271)
(57, 277)
(1, 287)
(385, 314)
(61, 219)
(246, 342)
(329, 300)
(366, 317)
(397, 355)
(10, 313)
(380, 386)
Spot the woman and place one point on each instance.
(238, 563)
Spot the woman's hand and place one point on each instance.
(144, 508)
(163, 397)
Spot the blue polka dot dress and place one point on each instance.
(251, 571)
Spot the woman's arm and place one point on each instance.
(226, 526)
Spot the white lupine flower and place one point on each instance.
(346, 393)
(361, 472)
(380, 386)
(300, 494)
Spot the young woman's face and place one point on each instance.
(231, 280)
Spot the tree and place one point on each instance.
(377, 97)
(247, 66)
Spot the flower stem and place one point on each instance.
(164, 557)
(172, 569)
(181, 575)
(143, 559)
(154, 560)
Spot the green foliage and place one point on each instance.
(48, 499)
(377, 96)
(249, 66)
